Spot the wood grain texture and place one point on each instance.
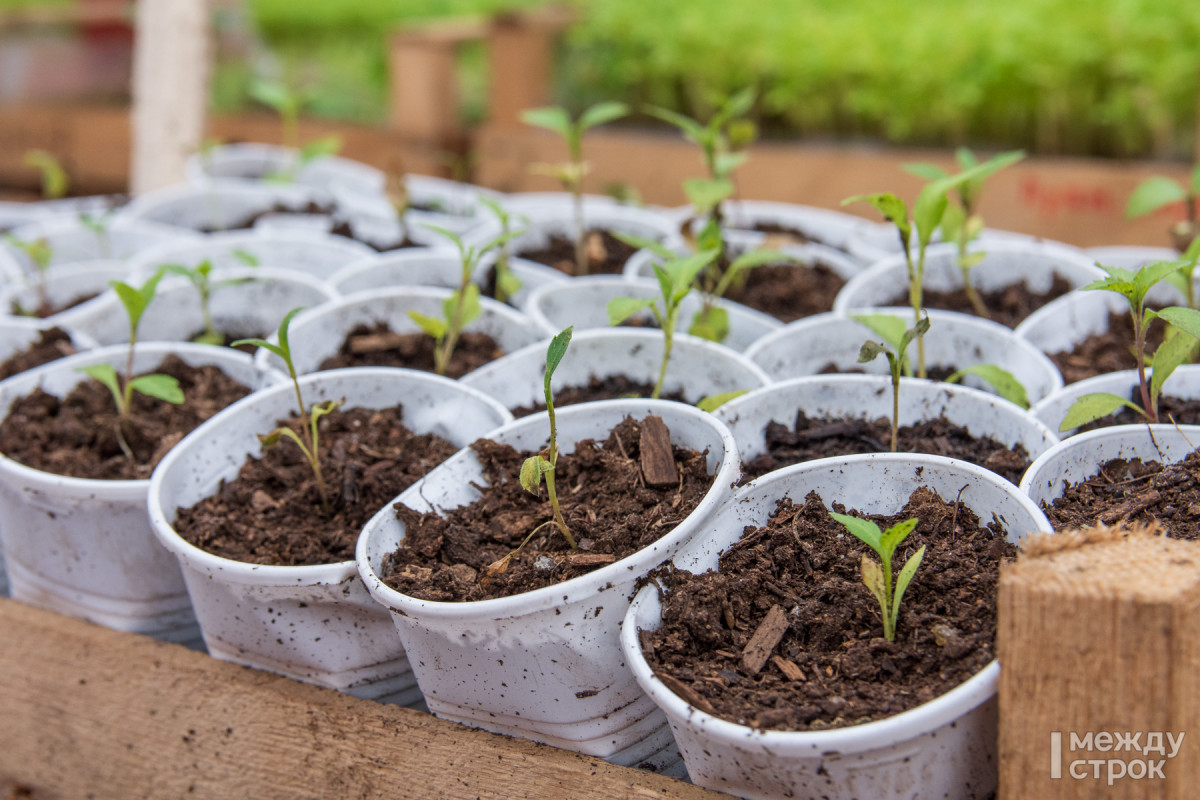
(86, 712)
(1099, 632)
(657, 456)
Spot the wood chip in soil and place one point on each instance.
(606, 254)
(610, 387)
(379, 346)
(1132, 491)
(1008, 305)
(51, 345)
(272, 514)
(811, 438)
(77, 435)
(606, 503)
(831, 667)
(1111, 351)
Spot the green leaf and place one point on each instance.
(508, 284)
(954, 222)
(451, 235)
(602, 113)
(1146, 277)
(692, 130)
(246, 257)
(210, 337)
(322, 409)
(893, 536)
(1092, 407)
(163, 387)
(1176, 350)
(1152, 194)
(888, 326)
(711, 323)
(705, 194)
(760, 258)
(930, 172)
(864, 529)
(284, 327)
(432, 326)
(902, 580)
(319, 148)
(870, 351)
(872, 578)
(892, 208)
(107, 375)
(711, 237)
(683, 272)
(725, 163)
(136, 300)
(664, 281)
(275, 95)
(738, 105)
(532, 471)
(928, 210)
(54, 177)
(271, 439)
(552, 118)
(644, 243)
(556, 351)
(274, 348)
(471, 307)
(1003, 381)
(715, 401)
(1185, 319)
(915, 332)
(622, 308)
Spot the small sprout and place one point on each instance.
(310, 440)
(1158, 192)
(54, 177)
(962, 223)
(288, 104)
(675, 281)
(200, 278)
(878, 577)
(895, 348)
(40, 253)
(246, 257)
(162, 387)
(507, 284)
(1175, 350)
(98, 224)
(715, 401)
(572, 172)
(461, 307)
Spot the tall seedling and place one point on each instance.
(675, 281)
(1159, 192)
(162, 387)
(878, 577)
(309, 439)
(572, 172)
(288, 104)
(1175, 350)
(897, 358)
(200, 277)
(962, 222)
(507, 284)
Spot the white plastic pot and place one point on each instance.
(583, 302)
(697, 367)
(870, 397)
(1006, 263)
(255, 161)
(84, 547)
(218, 205)
(316, 254)
(12, 262)
(545, 664)
(1078, 458)
(447, 204)
(252, 306)
(1184, 383)
(944, 748)
(1129, 256)
(807, 346)
(14, 214)
(318, 333)
(420, 266)
(314, 623)
(65, 285)
(71, 241)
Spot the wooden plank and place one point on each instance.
(89, 712)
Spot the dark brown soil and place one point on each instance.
(1111, 351)
(821, 438)
(52, 344)
(606, 501)
(377, 346)
(843, 671)
(1132, 492)
(1182, 412)
(606, 254)
(1008, 306)
(610, 387)
(789, 291)
(49, 309)
(271, 513)
(77, 436)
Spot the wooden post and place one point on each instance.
(1099, 650)
(170, 89)
(521, 61)
(424, 79)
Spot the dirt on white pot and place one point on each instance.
(944, 748)
(314, 623)
(220, 205)
(256, 162)
(119, 238)
(545, 664)
(77, 289)
(84, 547)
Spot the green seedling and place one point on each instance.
(1175, 350)
(1158, 192)
(309, 440)
(675, 280)
(54, 177)
(1184, 279)
(962, 222)
(461, 307)
(200, 277)
(571, 173)
(40, 254)
(897, 357)
(714, 401)
(288, 104)
(98, 224)
(507, 284)
(878, 577)
(162, 387)
(927, 213)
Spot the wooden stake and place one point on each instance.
(1099, 647)
(657, 457)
